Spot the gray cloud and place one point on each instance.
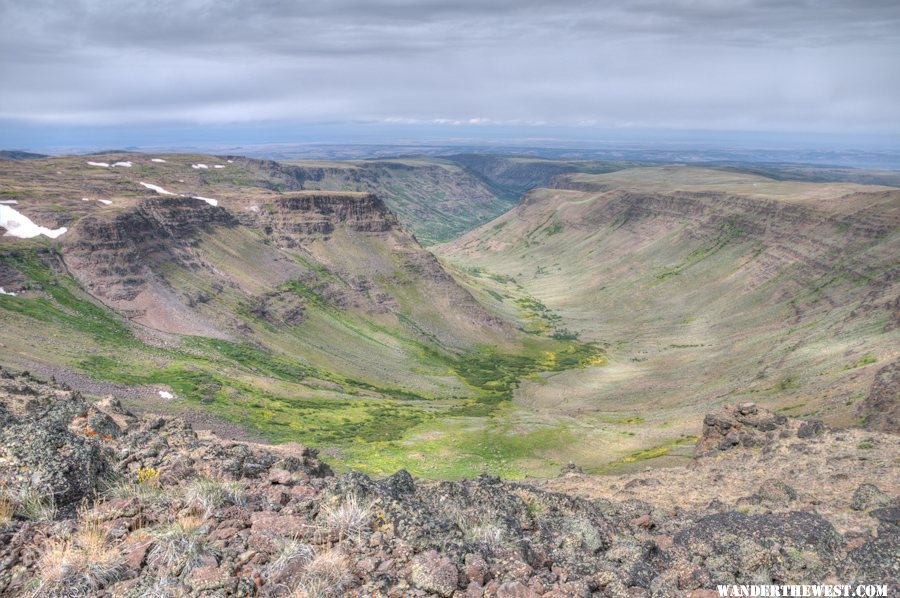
(751, 64)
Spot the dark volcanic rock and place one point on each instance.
(191, 515)
(887, 515)
(868, 496)
(881, 408)
(790, 546)
(40, 454)
(810, 429)
(295, 217)
(877, 561)
(745, 425)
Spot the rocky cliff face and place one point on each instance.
(513, 176)
(293, 218)
(114, 255)
(433, 199)
(98, 501)
(756, 215)
(328, 280)
(309, 219)
(145, 258)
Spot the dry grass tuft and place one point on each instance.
(179, 545)
(7, 507)
(145, 493)
(164, 587)
(479, 528)
(80, 564)
(206, 495)
(485, 532)
(349, 518)
(326, 576)
(36, 505)
(291, 552)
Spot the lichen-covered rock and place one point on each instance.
(39, 453)
(434, 573)
(192, 515)
(810, 428)
(740, 425)
(749, 426)
(791, 546)
(877, 561)
(868, 496)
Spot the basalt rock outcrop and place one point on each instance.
(262, 262)
(146, 506)
(881, 407)
(293, 218)
(114, 255)
(299, 220)
(434, 199)
(749, 426)
(39, 451)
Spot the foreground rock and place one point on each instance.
(748, 426)
(144, 506)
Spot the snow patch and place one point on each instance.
(105, 201)
(9, 201)
(219, 166)
(160, 160)
(198, 166)
(253, 208)
(126, 164)
(156, 188)
(166, 394)
(212, 202)
(231, 161)
(103, 164)
(5, 292)
(21, 226)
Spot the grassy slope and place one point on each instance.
(416, 386)
(694, 310)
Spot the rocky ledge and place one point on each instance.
(748, 426)
(96, 501)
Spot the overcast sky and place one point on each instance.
(754, 65)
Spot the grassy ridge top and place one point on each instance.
(679, 178)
